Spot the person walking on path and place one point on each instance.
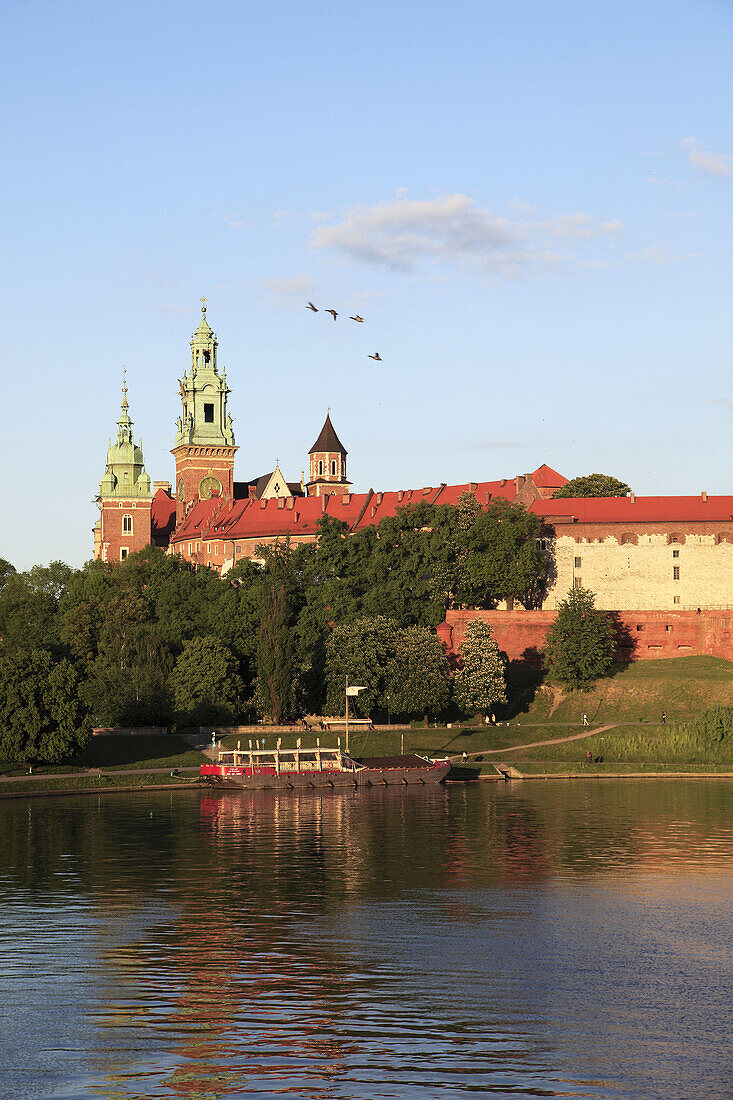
(664, 719)
(585, 719)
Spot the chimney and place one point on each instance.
(290, 503)
(252, 492)
(473, 486)
(164, 485)
(263, 504)
(401, 494)
(324, 501)
(704, 497)
(632, 498)
(503, 482)
(378, 498)
(281, 502)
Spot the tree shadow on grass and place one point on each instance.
(107, 751)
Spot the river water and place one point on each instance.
(524, 939)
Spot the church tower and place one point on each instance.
(204, 446)
(327, 463)
(125, 501)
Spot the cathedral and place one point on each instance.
(135, 513)
(671, 555)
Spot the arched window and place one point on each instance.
(320, 468)
(127, 525)
(333, 467)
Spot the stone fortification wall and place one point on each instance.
(656, 570)
(642, 635)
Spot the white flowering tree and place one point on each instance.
(480, 683)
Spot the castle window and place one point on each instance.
(127, 525)
(320, 468)
(333, 468)
(577, 582)
(675, 553)
(123, 553)
(676, 573)
(675, 599)
(208, 412)
(578, 563)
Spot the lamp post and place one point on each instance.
(353, 690)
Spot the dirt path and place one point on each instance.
(539, 744)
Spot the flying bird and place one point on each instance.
(357, 318)
(333, 313)
(376, 356)
(311, 306)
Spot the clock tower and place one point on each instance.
(204, 446)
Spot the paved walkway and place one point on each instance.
(538, 744)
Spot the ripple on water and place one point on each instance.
(523, 940)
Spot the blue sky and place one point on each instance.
(529, 202)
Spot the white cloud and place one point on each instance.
(289, 290)
(401, 234)
(705, 160)
(583, 227)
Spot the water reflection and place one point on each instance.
(528, 940)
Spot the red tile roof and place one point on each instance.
(636, 509)
(162, 514)
(254, 519)
(545, 477)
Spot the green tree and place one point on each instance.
(205, 682)
(593, 485)
(41, 715)
(418, 676)
(488, 554)
(28, 606)
(580, 644)
(361, 650)
(6, 571)
(275, 662)
(479, 684)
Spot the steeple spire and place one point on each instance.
(125, 474)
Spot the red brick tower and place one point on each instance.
(204, 447)
(327, 472)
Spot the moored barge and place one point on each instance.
(325, 768)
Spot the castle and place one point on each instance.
(639, 554)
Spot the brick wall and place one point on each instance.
(642, 635)
(114, 538)
(655, 566)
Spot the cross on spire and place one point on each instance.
(203, 305)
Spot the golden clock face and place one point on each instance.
(209, 485)
(181, 489)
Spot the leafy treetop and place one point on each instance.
(593, 485)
